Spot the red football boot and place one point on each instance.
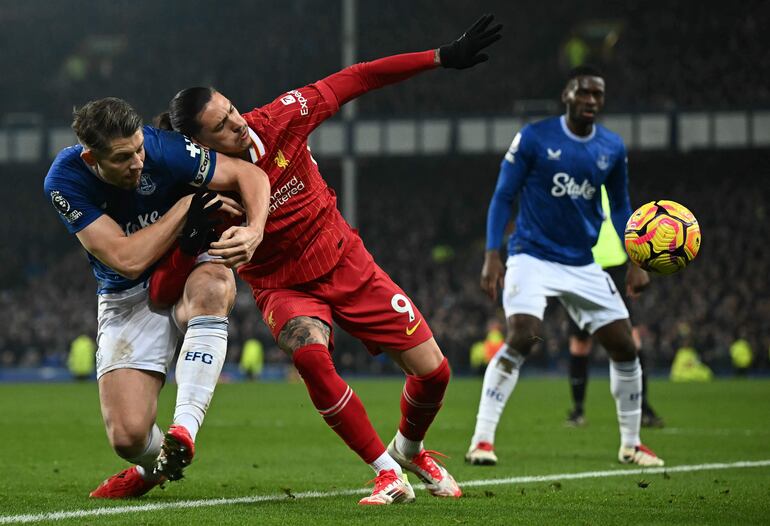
(126, 484)
(176, 453)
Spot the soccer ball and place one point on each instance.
(662, 237)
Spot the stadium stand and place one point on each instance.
(423, 218)
(656, 56)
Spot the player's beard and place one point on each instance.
(582, 119)
(132, 181)
(580, 116)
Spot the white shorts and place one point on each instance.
(131, 335)
(587, 292)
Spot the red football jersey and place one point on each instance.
(305, 233)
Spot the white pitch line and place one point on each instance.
(117, 510)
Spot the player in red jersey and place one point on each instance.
(312, 268)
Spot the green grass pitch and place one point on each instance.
(265, 439)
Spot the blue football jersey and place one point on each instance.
(172, 163)
(559, 176)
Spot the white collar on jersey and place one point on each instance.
(257, 149)
(578, 138)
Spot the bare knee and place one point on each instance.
(420, 360)
(301, 331)
(616, 338)
(128, 400)
(523, 333)
(624, 353)
(209, 291)
(127, 438)
(579, 346)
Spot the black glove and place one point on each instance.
(464, 52)
(200, 222)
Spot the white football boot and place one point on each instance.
(437, 479)
(389, 488)
(640, 455)
(481, 454)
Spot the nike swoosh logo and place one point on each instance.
(410, 331)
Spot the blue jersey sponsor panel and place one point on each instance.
(558, 177)
(172, 164)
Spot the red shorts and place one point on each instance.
(358, 295)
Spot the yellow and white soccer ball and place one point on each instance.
(662, 237)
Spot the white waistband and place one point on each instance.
(136, 289)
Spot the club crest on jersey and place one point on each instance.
(146, 185)
(603, 162)
(64, 208)
(280, 160)
(553, 155)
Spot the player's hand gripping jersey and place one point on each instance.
(171, 163)
(305, 234)
(559, 175)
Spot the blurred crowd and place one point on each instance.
(424, 221)
(657, 54)
(724, 296)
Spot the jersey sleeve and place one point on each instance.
(360, 78)
(75, 206)
(302, 110)
(617, 192)
(187, 161)
(513, 171)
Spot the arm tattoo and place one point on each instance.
(301, 331)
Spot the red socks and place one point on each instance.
(421, 400)
(336, 402)
(343, 411)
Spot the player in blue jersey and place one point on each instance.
(557, 166)
(122, 192)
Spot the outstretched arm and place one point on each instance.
(463, 53)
